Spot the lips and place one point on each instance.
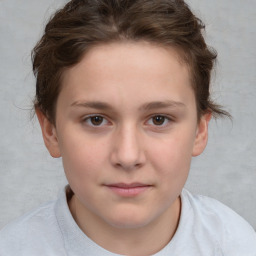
(128, 189)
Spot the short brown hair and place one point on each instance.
(82, 24)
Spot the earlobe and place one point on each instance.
(201, 134)
(49, 134)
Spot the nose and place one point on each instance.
(127, 152)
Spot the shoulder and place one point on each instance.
(230, 231)
(31, 232)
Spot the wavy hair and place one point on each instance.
(82, 24)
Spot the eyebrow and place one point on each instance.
(162, 104)
(92, 104)
(145, 107)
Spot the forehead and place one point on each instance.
(120, 70)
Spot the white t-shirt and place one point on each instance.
(206, 228)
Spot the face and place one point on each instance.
(126, 129)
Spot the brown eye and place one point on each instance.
(158, 120)
(96, 120)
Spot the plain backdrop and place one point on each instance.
(225, 171)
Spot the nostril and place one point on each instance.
(128, 165)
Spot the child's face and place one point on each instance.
(126, 128)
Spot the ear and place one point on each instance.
(201, 134)
(49, 134)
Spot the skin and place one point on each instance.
(126, 129)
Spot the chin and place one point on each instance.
(129, 221)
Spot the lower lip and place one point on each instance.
(128, 192)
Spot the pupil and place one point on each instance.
(96, 120)
(158, 120)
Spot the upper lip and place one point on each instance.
(128, 185)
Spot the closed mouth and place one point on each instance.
(128, 185)
(128, 189)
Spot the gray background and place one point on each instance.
(226, 170)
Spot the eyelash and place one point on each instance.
(89, 122)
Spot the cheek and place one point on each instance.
(82, 159)
(172, 156)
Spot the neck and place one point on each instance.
(145, 240)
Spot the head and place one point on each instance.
(123, 98)
(81, 25)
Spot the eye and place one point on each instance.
(159, 120)
(95, 121)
